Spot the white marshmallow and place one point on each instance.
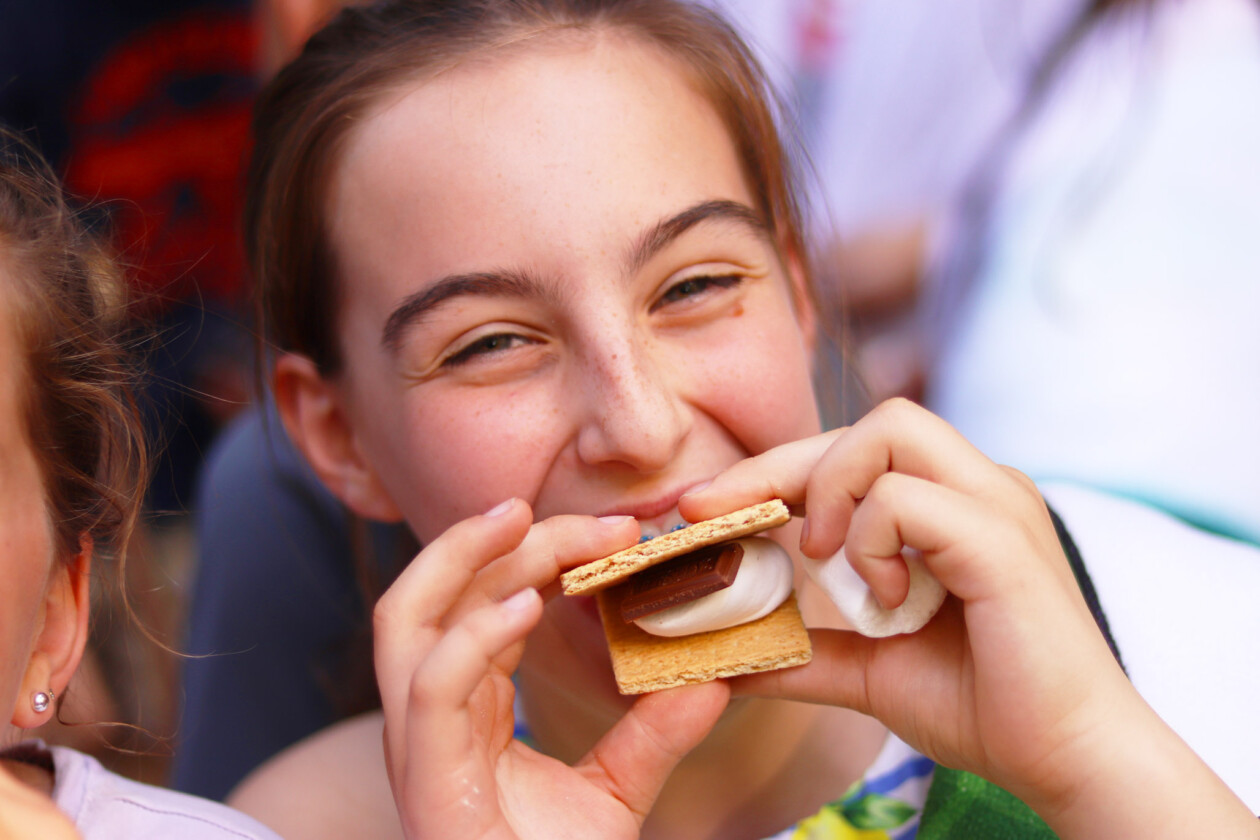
(860, 609)
(764, 581)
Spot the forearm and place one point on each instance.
(1141, 779)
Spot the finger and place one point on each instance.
(836, 675)
(901, 437)
(437, 715)
(874, 542)
(781, 472)
(829, 473)
(408, 618)
(1022, 604)
(459, 663)
(901, 680)
(432, 583)
(454, 785)
(552, 546)
(634, 758)
(976, 551)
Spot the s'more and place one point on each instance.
(707, 601)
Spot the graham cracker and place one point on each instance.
(601, 574)
(643, 662)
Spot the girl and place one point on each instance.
(535, 272)
(71, 463)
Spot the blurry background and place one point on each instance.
(1001, 189)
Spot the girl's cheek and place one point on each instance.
(762, 395)
(472, 451)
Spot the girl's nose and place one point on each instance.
(634, 413)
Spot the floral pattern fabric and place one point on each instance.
(883, 805)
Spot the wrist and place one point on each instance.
(1138, 778)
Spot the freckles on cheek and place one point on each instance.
(760, 393)
(478, 454)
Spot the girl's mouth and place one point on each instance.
(651, 529)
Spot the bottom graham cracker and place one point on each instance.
(643, 662)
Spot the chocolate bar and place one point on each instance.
(680, 580)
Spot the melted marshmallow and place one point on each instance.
(764, 581)
(857, 604)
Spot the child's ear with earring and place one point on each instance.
(59, 642)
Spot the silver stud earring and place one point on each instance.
(41, 700)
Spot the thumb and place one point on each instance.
(634, 758)
(836, 675)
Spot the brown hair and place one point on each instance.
(77, 402)
(305, 114)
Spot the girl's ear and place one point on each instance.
(62, 635)
(315, 419)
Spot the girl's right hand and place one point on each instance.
(449, 634)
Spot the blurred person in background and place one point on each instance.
(1093, 324)
(897, 101)
(144, 109)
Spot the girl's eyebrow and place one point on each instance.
(507, 283)
(660, 235)
(481, 284)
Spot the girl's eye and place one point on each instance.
(485, 346)
(693, 287)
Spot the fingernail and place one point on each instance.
(701, 486)
(520, 601)
(615, 520)
(805, 532)
(501, 508)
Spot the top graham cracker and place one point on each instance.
(600, 574)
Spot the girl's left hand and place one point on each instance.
(1012, 680)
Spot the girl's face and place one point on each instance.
(26, 549)
(554, 286)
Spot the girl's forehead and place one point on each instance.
(567, 141)
(539, 103)
(505, 78)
